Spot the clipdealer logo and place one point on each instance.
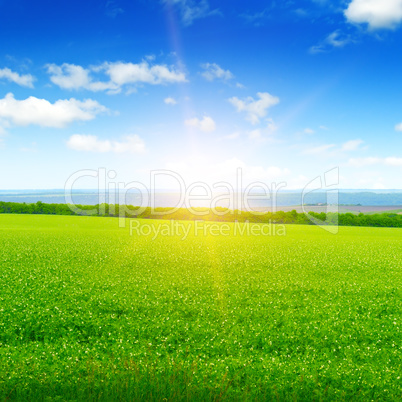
(220, 199)
(198, 228)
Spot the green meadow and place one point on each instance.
(91, 311)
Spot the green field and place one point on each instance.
(90, 312)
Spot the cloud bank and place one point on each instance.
(119, 74)
(45, 114)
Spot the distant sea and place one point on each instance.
(169, 199)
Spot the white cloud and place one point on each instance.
(376, 13)
(232, 136)
(43, 113)
(207, 124)
(170, 101)
(393, 161)
(389, 161)
(319, 150)
(91, 143)
(191, 10)
(128, 73)
(360, 162)
(352, 145)
(255, 109)
(23, 80)
(398, 127)
(333, 40)
(70, 76)
(308, 131)
(348, 146)
(214, 71)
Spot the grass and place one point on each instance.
(90, 312)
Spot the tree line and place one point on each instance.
(219, 214)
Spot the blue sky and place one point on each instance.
(283, 90)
